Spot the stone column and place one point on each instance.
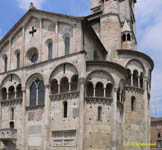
(69, 86)
(81, 113)
(94, 90)
(114, 119)
(104, 92)
(24, 133)
(46, 119)
(138, 81)
(7, 95)
(131, 79)
(58, 88)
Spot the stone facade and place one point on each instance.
(75, 83)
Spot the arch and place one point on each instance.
(11, 91)
(135, 78)
(41, 93)
(128, 81)
(123, 37)
(54, 86)
(74, 82)
(128, 37)
(67, 45)
(133, 99)
(109, 76)
(65, 109)
(89, 89)
(109, 88)
(99, 89)
(33, 94)
(136, 61)
(62, 68)
(4, 93)
(10, 77)
(19, 91)
(141, 80)
(64, 85)
(99, 110)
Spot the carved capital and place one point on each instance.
(82, 80)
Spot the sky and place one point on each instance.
(148, 21)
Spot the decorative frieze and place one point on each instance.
(134, 89)
(65, 96)
(6, 134)
(99, 100)
(9, 102)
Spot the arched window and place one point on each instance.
(74, 83)
(123, 37)
(19, 91)
(54, 86)
(12, 125)
(50, 47)
(65, 104)
(128, 37)
(109, 87)
(5, 64)
(118, 95)
(129, 77)
(11, 92)
(41, 93)
(64, 85)
(133, 99)
(135, 78)
(67, 45)
(99, 113)
(141, 80)
(99, 89)
(18, 60)
(33, 93)
(4, 93)
(89, 89)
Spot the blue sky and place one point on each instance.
(149, 30)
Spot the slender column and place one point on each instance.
(59, 88)
(7, 95)
(69, 86)
(114, 119)
(46, 123)
(104, 92)
(15, 93)
(138, 81)
(81, 113)
(94, 91)
(24, 136)
(131, 79)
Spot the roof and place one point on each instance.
(38, 11)
(126, 27)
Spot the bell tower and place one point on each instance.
(114, 16)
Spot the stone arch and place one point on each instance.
(74, 82)
(11, 91)
(136, 62)
(64, 85)
(89, 89)
(99, 92)
(109, 88)
(54, 86)
(141, 80)
(58, 72)
(4, 93)
(109, 79)
(135, 78)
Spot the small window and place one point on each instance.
(12, 113)
(18, 60)
(99, 113)
(34, 58)
(133, 99)
(159, 135)
(67, 45)
(123, 37)
(50, 47)
(128, 37)
(65, 109)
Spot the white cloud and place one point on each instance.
(24, 4)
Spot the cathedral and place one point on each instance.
(75, 83)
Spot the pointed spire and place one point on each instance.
(126, 27)
(32, 6)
